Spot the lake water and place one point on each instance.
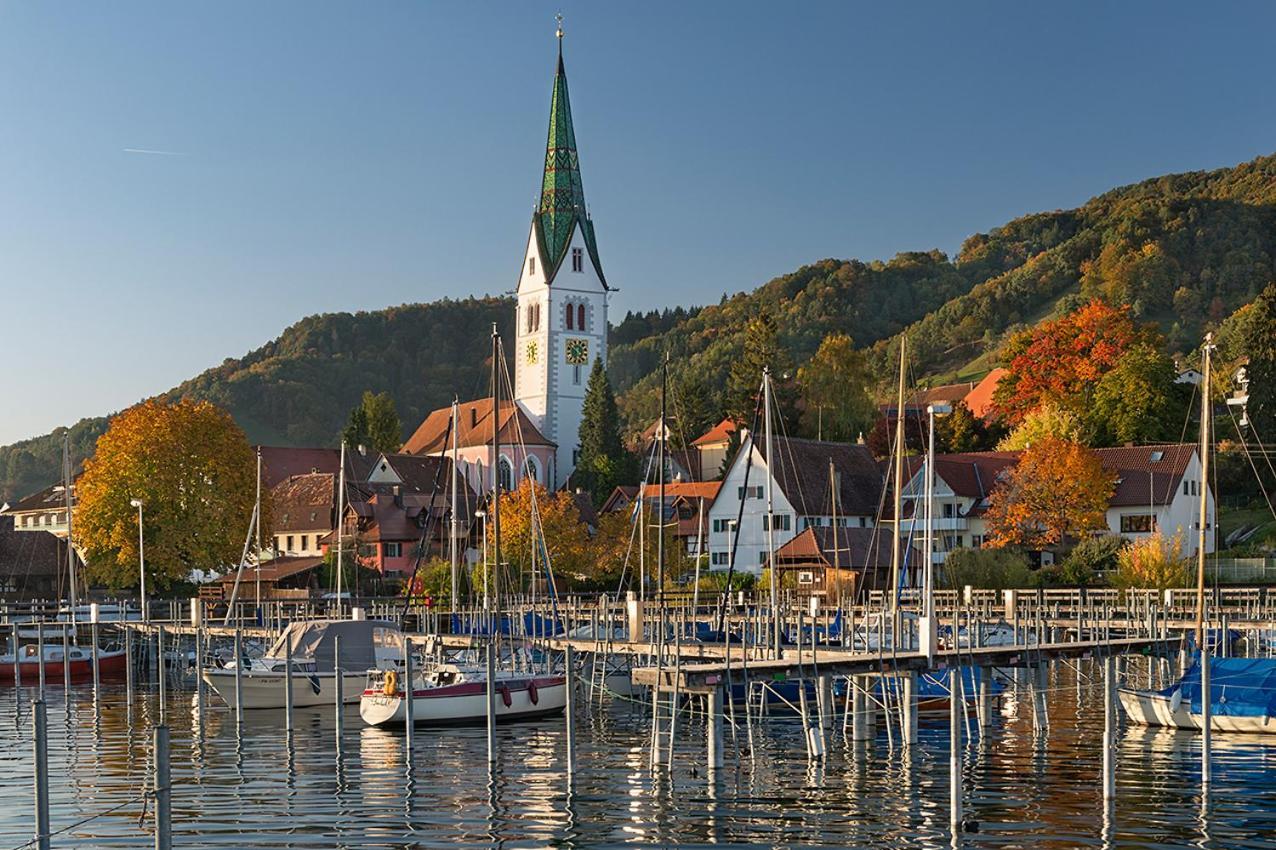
(249, 786)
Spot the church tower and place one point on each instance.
(562, 294)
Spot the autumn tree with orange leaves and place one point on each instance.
(1060, 361)
(1057, 493)
(195, 473)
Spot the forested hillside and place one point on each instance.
(1184, 251)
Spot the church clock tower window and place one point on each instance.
(531, 266)
(571, 315)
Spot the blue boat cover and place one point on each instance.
(1239, 687)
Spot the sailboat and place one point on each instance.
(1241, 691)
(443, 693)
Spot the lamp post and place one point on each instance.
(482, 514)
(929, 626)
(141, 557)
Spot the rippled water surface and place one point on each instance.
(250, 785)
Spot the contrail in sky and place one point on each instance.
(154, 153)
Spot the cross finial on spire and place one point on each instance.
(559, 18)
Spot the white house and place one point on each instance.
(1157, 489)
(805, 476)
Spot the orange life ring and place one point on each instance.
(391, 687)
(531, 692)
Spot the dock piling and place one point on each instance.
(569, 711)
(491, 703)
(409, 696)
(1109, 728)
(288, 687)
(41, 727)
(163, 791)
(339, 703)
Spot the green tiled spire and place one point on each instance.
(562, 202)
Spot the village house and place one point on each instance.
(42, 511)
(813, 482)
(686, 508)
(713, 447)
(1157, 490)
(32, 566)
(304, 512)
(835, 563)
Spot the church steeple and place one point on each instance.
(562, 201)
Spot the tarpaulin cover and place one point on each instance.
(1239, 687)
(313, 641)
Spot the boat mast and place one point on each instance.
(1203, 518)
(772, 466)
(70, 547)
(257, 520)
(893, 596)
(837, 560)
(695, 588)
(660, 511)
(341, 510)
(496, 456)
(455, 530)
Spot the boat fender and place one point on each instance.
(531, 692)
(315, 684)
(391, 686)
(505, 695)
(1176, 701)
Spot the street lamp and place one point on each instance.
(141, 557)
(928, 624)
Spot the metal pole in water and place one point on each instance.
(715, 729)
(160, 672)
(97, 678)
(1206, 699)
(239, 674)
(41, 726)
(66, 661)
(954, 748)
(1109, 728)
(199, 674)
(491, 703)
(409, 694)
(288, 686)
(128, 666)
(569, 710)
(163, 792)
(39, 647)
(337, 686)
(908, 692)
(17, 669)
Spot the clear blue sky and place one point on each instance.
(358, 155)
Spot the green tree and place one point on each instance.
(1090, 557)
(962, 431)
(374, 423)
(603, 461)
(1137, 401)
(195, 473)
(1048, 422)
(834, 390)
(988, 569)
(761, 349)
(1260, 346)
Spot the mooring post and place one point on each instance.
(128, 666)
(1206, 700)
(861, 706)
(569, 710)
(409, 694)
(339, 703)
(17, 667)
(239, 674)
(984, 706)
(160, 672)
(66, 662)
(97, 676)
(954, 750)
(199, 675)
(41, 775)
(39, 647)
(1109, 728)
(715, 729)
(163, 791)
(288, 686)
(491, 703)
(824, 698)
(908, 695)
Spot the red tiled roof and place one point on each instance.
(474, 428)
(279, 463)
(720, 433)
(979, 399)
(856, 548)
(276, 570)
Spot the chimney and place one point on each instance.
(363, 450)
(398, 495)
(473, 417)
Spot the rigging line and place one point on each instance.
(636, 518)
(424, 544)
(735, 538)
(1257, 476)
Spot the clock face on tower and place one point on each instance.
(577, 352)
(532, 351)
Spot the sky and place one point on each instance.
(180, 182)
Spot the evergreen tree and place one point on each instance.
(603, 462)
(761, 349)
(1260, 346)
(374, 423)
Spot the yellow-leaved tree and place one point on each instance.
(1153, 562)
(194, 472)
(1057, 493)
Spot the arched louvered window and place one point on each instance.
(571, 316)
(580, 316)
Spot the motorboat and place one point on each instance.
(364, 645)
(1242, 698)
(451, 694)
(78, 659)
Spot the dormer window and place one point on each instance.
(578, 259)
(531, 266)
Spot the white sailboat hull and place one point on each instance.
(266, 689)
(1150, 708)
(466, 703)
